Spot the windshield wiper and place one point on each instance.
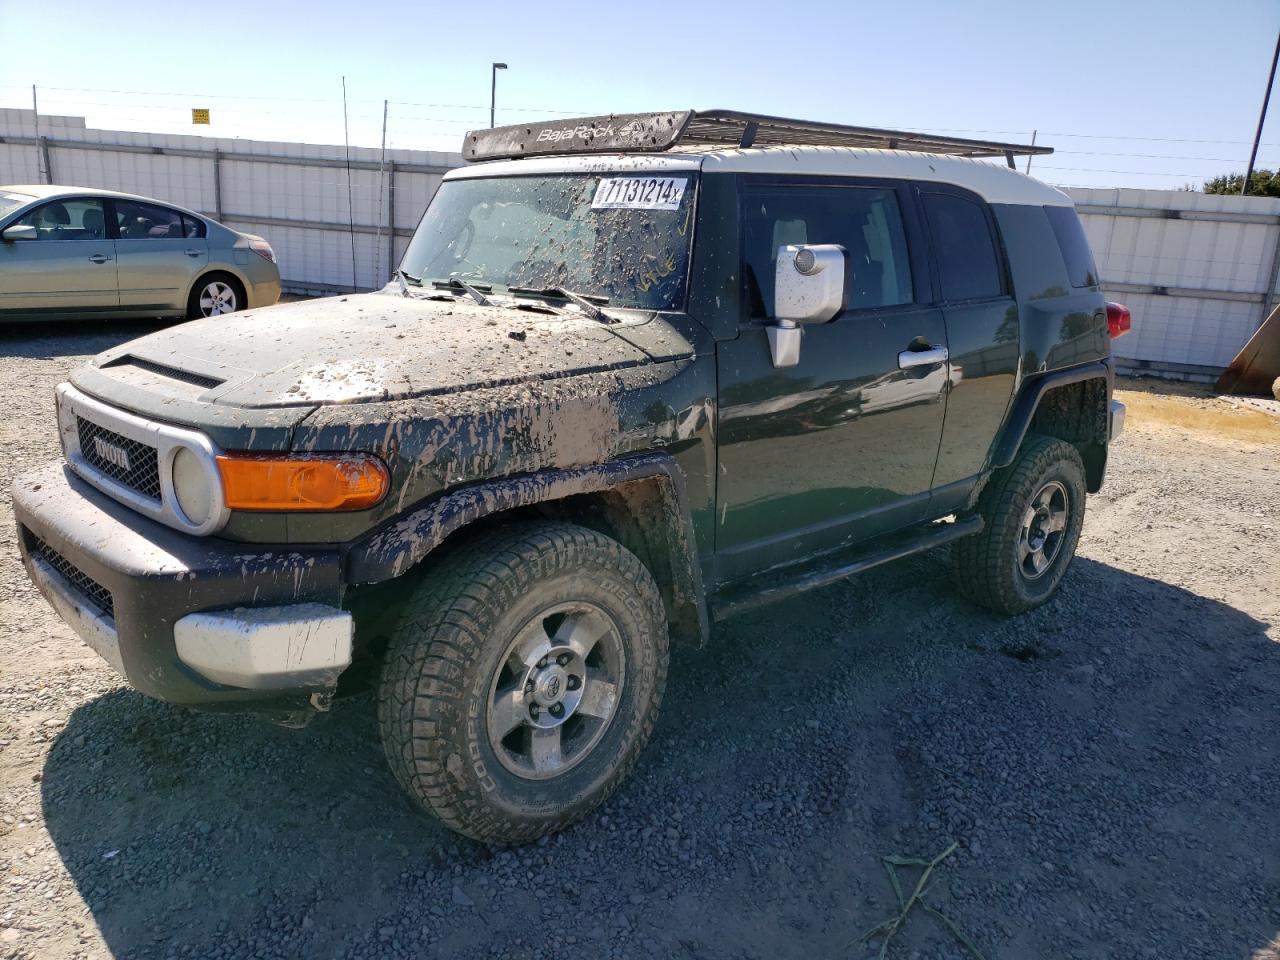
(586, 304)
(475, 293)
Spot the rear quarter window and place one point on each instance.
(968, 262)
(1074, 246)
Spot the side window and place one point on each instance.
(966, 251)
(79, 219)
(1074, 246)
(866, 221)
(192, 228)
(146, 221)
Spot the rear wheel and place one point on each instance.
(1033, 512)
(214, 295)
(523, 680)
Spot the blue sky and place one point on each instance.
(1149, 94)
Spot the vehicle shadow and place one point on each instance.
(1123, 734)
(68, 338)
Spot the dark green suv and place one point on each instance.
(635, 374)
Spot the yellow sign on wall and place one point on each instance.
(199, 115)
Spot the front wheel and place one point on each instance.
(1033, 511)
(523, 680)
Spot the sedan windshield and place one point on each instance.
(11, 201)
(621, 239)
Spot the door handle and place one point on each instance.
(193, 253)
(99, 258)
(922, 358)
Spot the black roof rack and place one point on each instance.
(650, 132)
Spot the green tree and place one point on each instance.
(1265, 183)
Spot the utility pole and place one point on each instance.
(45, 169)
(382, 180)
(493, 90)
(1262, 118)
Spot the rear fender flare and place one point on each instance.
(1028, 400)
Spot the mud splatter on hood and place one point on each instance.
(378, 347)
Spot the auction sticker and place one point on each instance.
(639, 193)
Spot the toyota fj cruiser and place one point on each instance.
(634, 374)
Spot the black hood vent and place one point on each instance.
(130, 364)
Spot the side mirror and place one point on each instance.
(809, 287)
(19, 231)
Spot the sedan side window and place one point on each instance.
(866, 221)
(76, 219)
(146, 221)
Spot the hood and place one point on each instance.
(380, 346)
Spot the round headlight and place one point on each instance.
(193, 486)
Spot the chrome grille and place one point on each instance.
(129, 462)
(98, 596)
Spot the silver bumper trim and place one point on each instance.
(267, 648)
(1115, 419)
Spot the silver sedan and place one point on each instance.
(77, 252)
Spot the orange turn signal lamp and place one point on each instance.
(302, 482)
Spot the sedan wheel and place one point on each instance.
(218, 297)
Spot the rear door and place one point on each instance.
(842, 445)
(160, 252)
(982, 334)
(70, 268)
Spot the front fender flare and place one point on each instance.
(399, 545)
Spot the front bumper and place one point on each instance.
(127, 585)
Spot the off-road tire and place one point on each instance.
(449, 644)
(986, 564)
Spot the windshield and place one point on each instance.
(11, 201)
(624, 237)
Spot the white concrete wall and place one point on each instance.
(314, 256)
(1218, 275)
(1216, 278)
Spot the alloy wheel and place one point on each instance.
(555, 690)
(217, 298)
(1043, 530)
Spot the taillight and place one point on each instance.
(263, 249)
(1118, 320)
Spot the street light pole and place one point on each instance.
(493, 90)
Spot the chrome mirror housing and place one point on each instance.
(809, 287)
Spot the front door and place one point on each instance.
(69, 268)
(843, 445)
(160, 254)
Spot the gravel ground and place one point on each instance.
(1107, 765)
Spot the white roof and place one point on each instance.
(992, 181)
